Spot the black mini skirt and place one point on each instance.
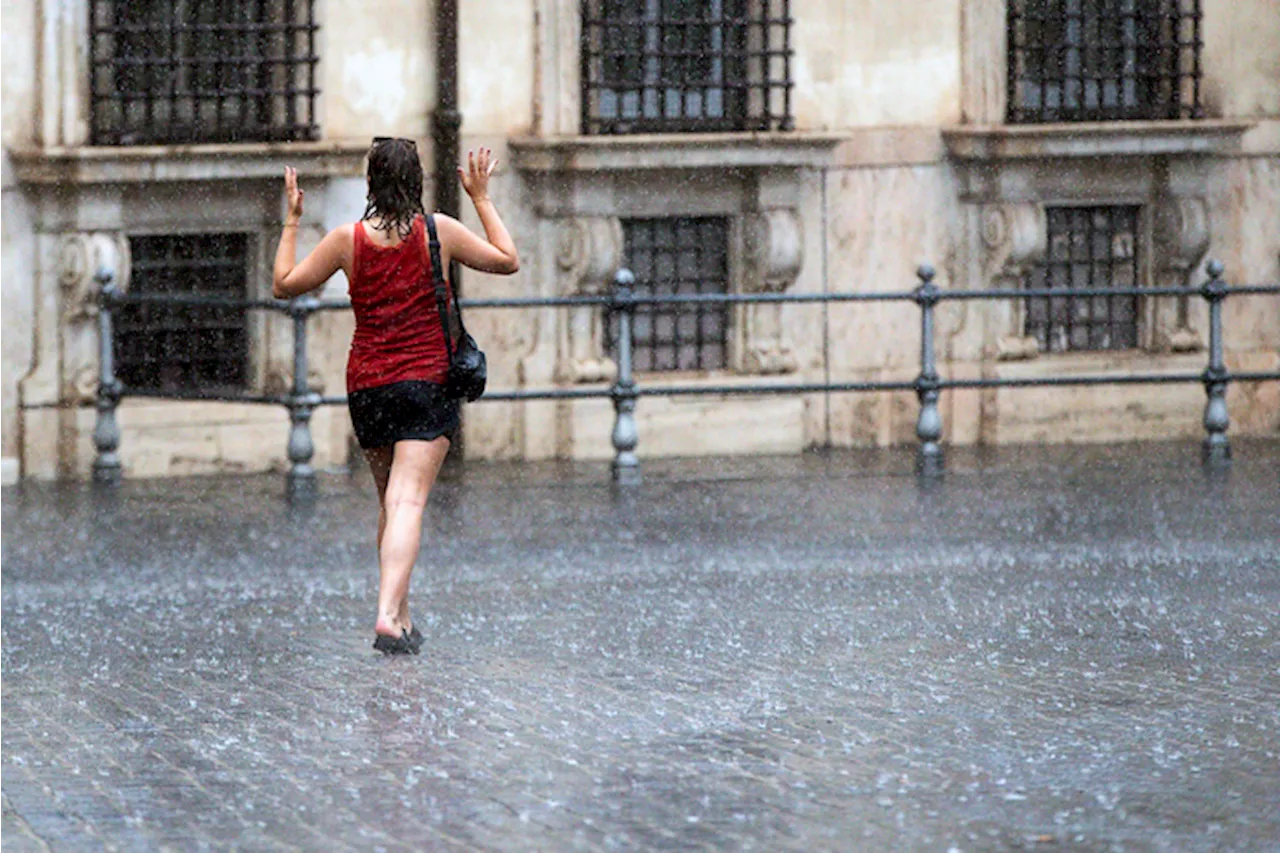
(402, 411)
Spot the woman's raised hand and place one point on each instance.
(294, 194)
(475, 178)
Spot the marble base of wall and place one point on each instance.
(167, 438)
(720, 426)
(1107, 413)
(1063, 414)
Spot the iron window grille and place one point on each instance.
(678, 255)
(166, 347)
(1088, 247)
(670, 66)
(1103, 60)
(184, 71)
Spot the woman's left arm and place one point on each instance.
(294, 279)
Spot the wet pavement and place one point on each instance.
(1050, 649)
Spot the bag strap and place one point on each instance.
(437, 281)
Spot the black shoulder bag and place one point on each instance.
(468, 369)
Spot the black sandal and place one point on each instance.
(415, 637)
(401, 645)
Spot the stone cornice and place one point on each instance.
(151, 163)
(673, 151)
(1220, 137)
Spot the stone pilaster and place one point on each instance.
(983, 63)
(1180, 240)
(774, 251)
(588, 253)
(1012, 238)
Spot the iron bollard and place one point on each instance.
(301, 479)
(1216, 449)
(626, 467)
(929, 460)
(106, 431)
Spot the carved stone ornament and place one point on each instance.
(81, 257)
(774, 251)
(775, 245)
(1013, 238)
(1181, 234)
(588, 253)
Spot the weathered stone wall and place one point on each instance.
(1241, 63)
(18, 45)
(866, 187)
(868, 63)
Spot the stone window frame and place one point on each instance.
(1146, 319)
(80, 238)
(747, 103)
(984, 65)
(1009, 173)
(254, 260)
(63, 75)
(292, 108)
(575, 181)
(646, 349)
(1131, 91)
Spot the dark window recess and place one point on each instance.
(1089, 247)
(1103, 60)
(669, 66)
(678, 255)
(167, 347)
(181, 71)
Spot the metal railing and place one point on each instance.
(625, 391)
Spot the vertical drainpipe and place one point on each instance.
(445, 124)
(446, 120)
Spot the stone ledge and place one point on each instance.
(1103, 363)
(151, 163)
(673, 151)
(1102, 139)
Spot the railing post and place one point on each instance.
(300, 482)
(929, 460)
(106, 432)
(626, 467)
(1216, 449)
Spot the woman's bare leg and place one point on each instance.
(380, 459)
(413, 471)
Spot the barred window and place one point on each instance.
(678, 255)
(1089, 247)
(664, 66)
(183, 71)
(1103, 60)
(167, 347)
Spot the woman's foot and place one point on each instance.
(395, 645)
(389, 626)
(402, 617)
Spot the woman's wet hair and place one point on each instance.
(395, 185)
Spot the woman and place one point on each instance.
(398, 361)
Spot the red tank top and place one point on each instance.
(398, 335)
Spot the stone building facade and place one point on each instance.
(725, 145)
